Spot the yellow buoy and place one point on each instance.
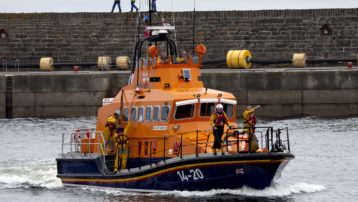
(104, 62)
(46, 64)
(122, 62)
(299, 59)
(238, 59)
(228, 59)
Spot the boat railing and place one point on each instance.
(82, 143)
(272, 140)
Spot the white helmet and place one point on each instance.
(219, 106)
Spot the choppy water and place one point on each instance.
(325, 167)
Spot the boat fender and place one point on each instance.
(238, 59)
(104, 62)
(299, 59)
(122, 62)
(46, 64)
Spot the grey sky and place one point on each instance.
(26, 6)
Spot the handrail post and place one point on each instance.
(237, 141)
(250, 129)
(63, 141)
(197, 136)
(181, 146)
(271, 138)
(140, 150)
(164, 151)
(288, 140)
(267, 138)
(150, 154)
(227, 144)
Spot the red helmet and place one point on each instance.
(111, 127)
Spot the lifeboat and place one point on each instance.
(171, 139)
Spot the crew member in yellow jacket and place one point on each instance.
(218, 120)
(121, 140)
(249, 126)
(108, 132)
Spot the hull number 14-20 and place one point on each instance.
(194, 174)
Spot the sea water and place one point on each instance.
(324, 168)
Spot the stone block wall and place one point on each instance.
(58, 95)
(280, 92)
(2, 96)
(290, 92)
(82, 37)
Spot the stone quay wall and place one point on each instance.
(83, 37)
(286, 92)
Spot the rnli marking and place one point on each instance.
(195, 174)
(160, 127)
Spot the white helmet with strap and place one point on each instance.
(219, 106)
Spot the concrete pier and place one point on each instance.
(282, 92)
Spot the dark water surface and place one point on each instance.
(325, 167)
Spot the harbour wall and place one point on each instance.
(83, 37)
(282, 92)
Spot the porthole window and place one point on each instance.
(148, 114)
(141, 114)
(125, 115)
(156, 113)
(134, 114)
(165, 113)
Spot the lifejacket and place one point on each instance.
(122, 141)
(220, 118)
(252, 121)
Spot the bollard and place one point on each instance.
(349, 65)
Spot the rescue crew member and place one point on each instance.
(121, 140)
(133, 6)
(249, 126)
(183, 58)
(163, 59)
(116, 2)
(108, 132)
(218, 120)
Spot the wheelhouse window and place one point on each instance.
(229, 110)
(156, 113)
(165, 112)
(134, 114)
(148, 114)
(184, 111)
(141, 114)
(206, 109)
(125, 114)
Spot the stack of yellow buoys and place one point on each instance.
(238, 59)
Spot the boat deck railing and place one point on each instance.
(82, 143)
(270, 139)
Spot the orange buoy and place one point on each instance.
(349, 65)
(153, 51)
